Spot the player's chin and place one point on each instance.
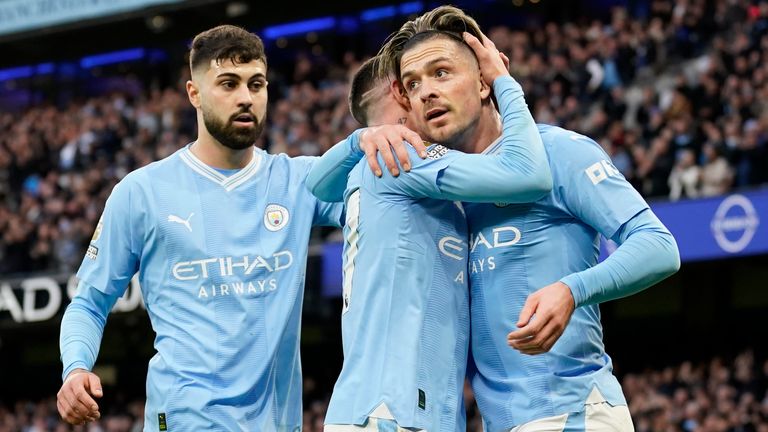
(439, 134)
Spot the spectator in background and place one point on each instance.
(656, 165)
(716, 175)
(685, 176)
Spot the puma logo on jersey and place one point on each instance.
(178, 220)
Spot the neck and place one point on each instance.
(488, 130)
(213, 153)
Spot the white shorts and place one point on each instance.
(373, 424)
(598, 416)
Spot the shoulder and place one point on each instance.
(560, 139)
(165, 167)
(568, 148)
(285, 172)
(282, 161)
(149, 176)
(576, 159)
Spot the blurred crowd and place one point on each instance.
(718, 395)
(700, 134)
(678, 98)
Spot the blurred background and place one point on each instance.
(676, 92)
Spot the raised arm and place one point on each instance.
(328, 177)
(514, 170)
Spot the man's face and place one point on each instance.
(233, 101)
(443, 85)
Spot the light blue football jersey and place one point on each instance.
(405, 319)
(516, 249)
(221, 263)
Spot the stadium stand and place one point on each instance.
(674, 100)
(676, 96)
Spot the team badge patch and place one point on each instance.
(275, 217)
(99, 226)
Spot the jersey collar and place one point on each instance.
(229, 183)
(494, 147)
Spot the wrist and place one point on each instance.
(574, 284)
(568, 293)
(355, 140)
(75, 370)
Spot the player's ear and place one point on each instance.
(398, 92)
(485, 90)
(193, 93)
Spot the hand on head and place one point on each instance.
(493, 63)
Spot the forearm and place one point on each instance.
(328, 177)
(647, 254)
(82, 327)
(519, 172)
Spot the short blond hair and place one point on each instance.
(448, 20)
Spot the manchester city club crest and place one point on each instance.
(275, 217)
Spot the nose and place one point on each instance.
(427, 90)
(244, 96)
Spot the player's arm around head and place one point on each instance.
(373, 105)
(493, 63)
(384, 145)
(448, 87)
(529, 155)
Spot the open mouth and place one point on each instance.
(435, 113)
(244, 119)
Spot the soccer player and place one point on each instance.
(534, 276)
(218, 233)
(405, 316)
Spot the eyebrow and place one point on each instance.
(237, 77)
(429, 64)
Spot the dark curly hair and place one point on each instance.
(225, 42)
